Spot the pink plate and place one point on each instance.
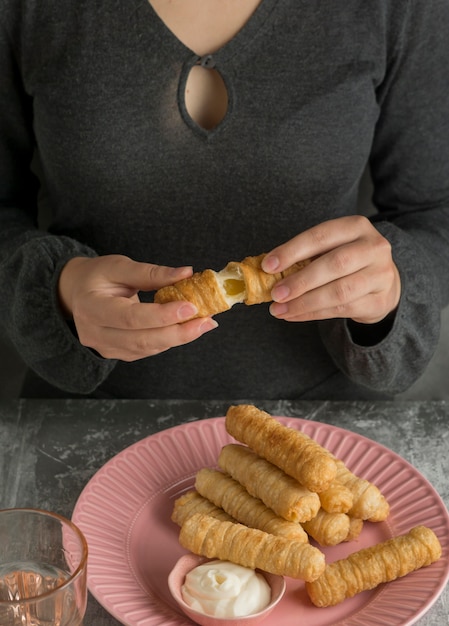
(124, 512)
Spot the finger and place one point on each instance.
(342, 261)
(143, 276)
(366, 310)
(335, 297)
(127, 314)
(132, 345)
(316, 241)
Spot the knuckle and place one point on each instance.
(342, 292)
(360, 222)
(320, 235)
(120, 259)
(143, 345)
(380, 246)
(302, 306)
(340, 262)
(112, 263)
(341, 310)
(150, 343)
(383, 247)
(301, 284)
(153, 271)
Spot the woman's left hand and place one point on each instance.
(352, 274)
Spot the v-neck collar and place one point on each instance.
(229, 49)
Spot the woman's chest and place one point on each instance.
(110, 107)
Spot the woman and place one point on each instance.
(168, 136)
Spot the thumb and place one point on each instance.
(146, 276)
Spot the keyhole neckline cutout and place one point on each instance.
(205, 114)
(219, 57)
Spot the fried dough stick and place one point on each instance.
(214, 292)
(280, 492)
(355, 528)
(251, 548)
(203, 289)
(369, 567)
(233, 498)
(328, 529)
(368, 501)
(292, 451)
(337, 498)
(192, 502)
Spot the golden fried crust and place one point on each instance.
(368, 502)
(369, 567)
(201, 289)
(204, 290)
(192, 502)
(258, 283)
(280, 492)
(328, 529)
(251, 548)
(337, 498)
(292, 451)
(355, 528)
(232, 497)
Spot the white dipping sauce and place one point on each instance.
(223, 589)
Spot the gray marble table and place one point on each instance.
(50, 449)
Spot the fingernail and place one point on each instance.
(270, 263)
(207, 325)
(187, 311)
(277, 309)
(280, 293)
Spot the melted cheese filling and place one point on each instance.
(232, 285)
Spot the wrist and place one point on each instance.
(66, 283)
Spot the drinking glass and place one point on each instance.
(43, 564)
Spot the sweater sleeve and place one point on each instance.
(410, 173)
(31, 259)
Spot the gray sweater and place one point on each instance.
(93, 126)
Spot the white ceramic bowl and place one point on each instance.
(188, 562)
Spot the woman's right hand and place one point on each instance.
(101, 295)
